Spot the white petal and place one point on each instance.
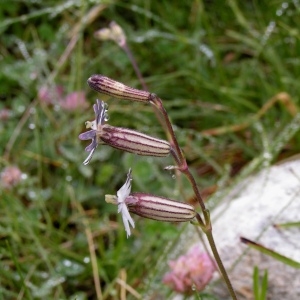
(126, 218)
(87, 160)
(124, 191)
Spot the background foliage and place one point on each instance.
(229, 76)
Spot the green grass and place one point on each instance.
(215, 65)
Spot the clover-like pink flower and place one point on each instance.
(191, 270)
(74, 101)
(10, 177)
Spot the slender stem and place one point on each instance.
(192, 180)
(135, 66)
(156, 101)
(139, 75)
(180, 159)
(220, 264)
(183, 167)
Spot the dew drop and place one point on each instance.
(69, 178)
(67, 263)
(279, 12)
(32, 110)
(24, 176)
(31, 126)
(86, 260)
(21, 108)
(32, 195)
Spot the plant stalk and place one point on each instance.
(220, 264)
(183, 167)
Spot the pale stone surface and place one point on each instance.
(269, 197)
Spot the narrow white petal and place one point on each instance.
(87, 160)
(126, 217)
(124, 191)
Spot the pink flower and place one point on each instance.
(194, 269)
(5, 114)
(10, 177)
(74, 101)
(50, 95)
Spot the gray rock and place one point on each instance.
(252, 208)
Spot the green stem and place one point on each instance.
(183, 167)
(220, 264)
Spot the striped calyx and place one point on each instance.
(159, 208)
(105, 85)
(133, 141)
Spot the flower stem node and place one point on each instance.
(105, 85)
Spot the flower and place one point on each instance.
(114, 33)
(10, 177)
(50, 95)
(122, 194)
(74, 101)
(101, 115)
(148, 206)
(5, 114)
(194, 269)
(120, 138)
(55, 95)
(105, 85)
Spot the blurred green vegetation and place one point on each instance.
(228, 72)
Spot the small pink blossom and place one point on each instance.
(5, 114)
(10, 177)
(50, 95)
(74, 101)
(194, 269)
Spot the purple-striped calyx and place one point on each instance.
(120, 138)
(105, 85)
(149, 206)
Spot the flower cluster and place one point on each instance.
(55, 95)
(191, 270)
(10, 177)
(142, 204)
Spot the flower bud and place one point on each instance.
(105, 85)
(134, 141)
(159, 208)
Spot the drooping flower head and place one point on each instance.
(193, 269)
(148, 206)
(100, 110)
(120, 138)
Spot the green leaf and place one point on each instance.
(286, 260)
